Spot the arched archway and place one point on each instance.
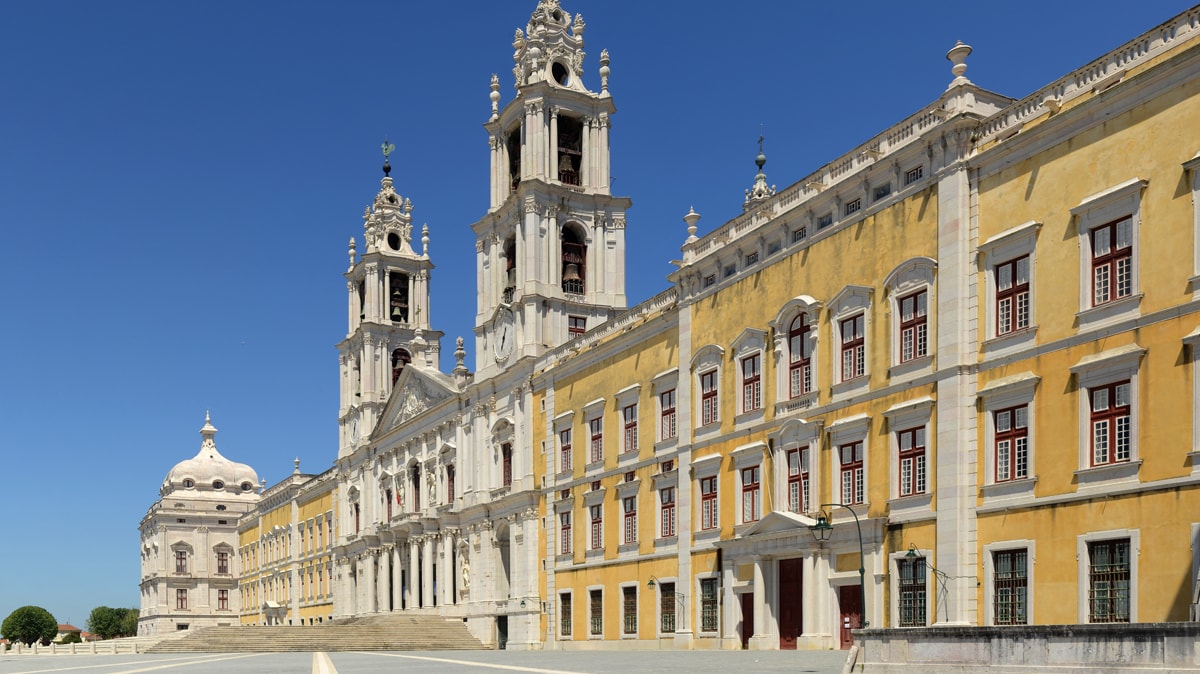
(504, 561)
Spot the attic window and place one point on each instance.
(220, 507)
(560, 73)
(217, 484)
(246, 486)
(189, 483)
(825, 221)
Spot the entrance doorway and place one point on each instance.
(747, 618)
(502, 632)
(850, 603)
(790, 608)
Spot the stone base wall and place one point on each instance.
(1046, 649)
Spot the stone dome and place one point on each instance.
(209, 471)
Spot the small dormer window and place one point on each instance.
(247, 486)
(189, 483)
(220, 507)
(560, 72)
(217, 484)
(393, 241)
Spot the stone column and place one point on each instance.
(553, 172)
(729, 603)
(760, 600)
(384, 580)
(397, 586)
(427, 572)
(413, 591)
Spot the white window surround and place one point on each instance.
(902, 416)
(1116, 364)
(1192, 167)
(656, 597)
(842, 432)
(588, 615)
(1081, 554)
(661, 383)
(989, 576)
(781, 326)
(637, 592)
(851, 301)
(910, 277)
(1192, 341)
(707, 359)
(697, 607)
(1098, 209)
(557, 622)
(630, 395)
(704, 467)
(796, 434)
(1001, 394)
(564, 422)
(930, 589)
(750, 456)
(752, 341)
(1017, 242)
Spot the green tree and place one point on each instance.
(110, 623)
(29, 624)
(71, 638)
(129, 623)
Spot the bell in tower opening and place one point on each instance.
(399, 298)
(400, 358)
(574, 255)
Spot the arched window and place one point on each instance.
(415, 475)
(400, 358)
(398, 302)
(800, 356)
(570, 148)
(510, 269)
(574, 257)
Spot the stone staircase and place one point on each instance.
(389, 632)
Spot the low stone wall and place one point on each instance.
(1046, 649)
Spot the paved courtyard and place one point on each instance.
(540, 662)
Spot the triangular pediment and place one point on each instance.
(777, 521)
(416, 390)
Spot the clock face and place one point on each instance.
(504, 337)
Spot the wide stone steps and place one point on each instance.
(374, 633)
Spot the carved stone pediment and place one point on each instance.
(417, 390)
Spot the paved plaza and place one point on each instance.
(539, 662)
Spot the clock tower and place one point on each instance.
(388, 312)
(550, 253)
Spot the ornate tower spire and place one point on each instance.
(760, 191)
(550, 48)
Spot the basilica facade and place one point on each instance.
(949, 378)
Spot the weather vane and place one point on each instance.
(388, 148)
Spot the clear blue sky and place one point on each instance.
(179, 180)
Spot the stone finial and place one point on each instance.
(495, 96)
(691, 219)
(958, 56)
(604, 72)
(353, 253)
(425, 240)
(296, 462)
(760, 191)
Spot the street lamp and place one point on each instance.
(822, 531)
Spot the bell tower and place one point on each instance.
(388, 311)
(550, 253)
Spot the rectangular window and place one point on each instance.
(564, 614)
(710, 280)
(181, 561)
(851, 456)
(1012, 443)
(881, 192)
(629, 506)
(912, 592)
(630, 414)
(914, 174)
(1012, 296)
(1112, 261)
(181, 599)
(596, 426)
(752, 258)
(730, 270)
(708, 503)
(666, 404)
(825, 221)
(222, 600)
(576, 326)
(799, 234)
(852, 206)
(597, 526)
(506, 457)
(596, 609)
(667, 514)
(799, 357)
(388, 500)
(708, 605)
(914, 334)
(1009, 580)
(751, 502)
(629, 610)
(666, 607)
(1111, 439)
(912, 460)
(751, 383)
(708, 398)
(222, 562)
(449, 483)
(797, 463)
(564, 449)
(853, 347)
(564, 532)
(1108, 581)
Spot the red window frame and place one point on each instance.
(667, 516)
(630, 414)
(1112, 261)
(181, 599)
(597, 526)
(751, 383)
(1111, 423)
(629, 519)
(911, 455)
(222, 562)
(751, 494)
(708, 398)
(506, 458)
(914, 327)
(850, 456)
(564, 532)
(666, 403)
(797, 466)
(1011, 443)
(222, 600)
(564, 450)
(181, 561)
(854, 346)
(799, 356)
(576, 326)
(709, 517)
(596, 426)
(1012, 295)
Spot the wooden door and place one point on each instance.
(850, 601)
(747, 618)
(790, 602)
